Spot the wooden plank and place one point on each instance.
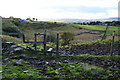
(39, 34)
(11, 33)
(33, 42)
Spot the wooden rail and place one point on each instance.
(35, 42)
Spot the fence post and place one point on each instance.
(112, 43)
(57, 44)
(35, 45)
(23, 36)
(104, 36)
(45, 43)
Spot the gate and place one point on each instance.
(35, 42)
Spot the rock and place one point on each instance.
(14, 74)
(72, 66)
(46, 62)
(57, 72)
(19, 61)
(59, 62)
(10, 47)
(87, 66)
(14, 46)
(15, 57)
(65, 61)
(23, 47)
(29, 74)
(92, 69)
(18, 49)
(50, 49)
(12, 43)
(25, 71)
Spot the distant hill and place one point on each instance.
(83, 20)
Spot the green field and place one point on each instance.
(99, 28)
(65, 28)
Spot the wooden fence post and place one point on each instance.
(57, 44)
(35, 45)
(112, 43)
(23, 36)
(104, 36)
(44, 43)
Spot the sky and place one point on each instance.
(57, 9)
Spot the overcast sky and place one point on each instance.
(54, 9)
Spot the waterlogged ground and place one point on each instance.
(37, 65)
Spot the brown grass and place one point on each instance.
(86, 37)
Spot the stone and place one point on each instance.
(29, 74)
(50, 49)
(14, 46)
(25, 71)
(87, 66)
(19, 61)
(65, 61)
(46, 62)
(72, 66)
(18, 49)
(57, 72)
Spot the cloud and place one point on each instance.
(112, 13)
(59, 8)
(87, 3)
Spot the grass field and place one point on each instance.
(78, 38)
(85, 38)
(65, 28)
(98, 28)
(83, 33)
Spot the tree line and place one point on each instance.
(110, 23)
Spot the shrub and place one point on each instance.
(9, 27)
(17, 22)
(66, 37)
(51, 38)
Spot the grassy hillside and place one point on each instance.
(83, 33)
